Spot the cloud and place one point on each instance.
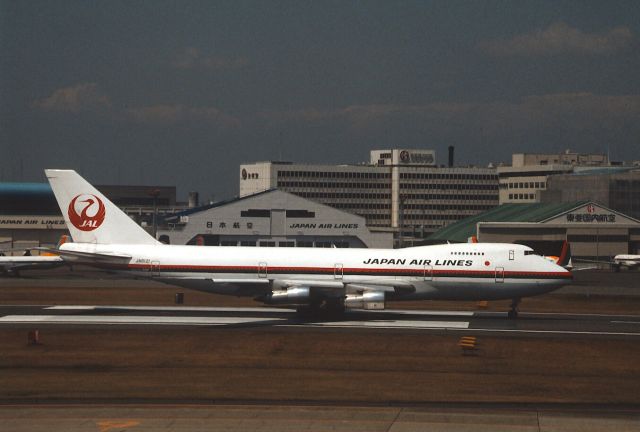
(567, 119)
(362, 116)
(560, 38)
(75, 99)
(86, 97)
(192, 58)
(171, 114)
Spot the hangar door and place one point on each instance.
(278, 221)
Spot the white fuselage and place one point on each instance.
(468, 271)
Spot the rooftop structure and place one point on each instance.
(523, 181)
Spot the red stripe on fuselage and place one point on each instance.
(347, 270)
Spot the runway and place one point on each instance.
(468, 322)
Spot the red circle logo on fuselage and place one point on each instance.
(86, 212)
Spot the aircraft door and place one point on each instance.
(428, 273)
(499, 274)
(262, 270)
(338, 271)
(155, 268)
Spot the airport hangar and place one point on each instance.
(272, 218)
(594, 231)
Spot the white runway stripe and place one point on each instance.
(221, 321)
(394, 324)
(138, 320)
(172, 308)
(253, 309)
(425, 312)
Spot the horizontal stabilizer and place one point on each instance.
(88, 257)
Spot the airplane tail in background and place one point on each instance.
(90, 216)
(564, 259)
(63, 239)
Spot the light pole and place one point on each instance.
(154, 227)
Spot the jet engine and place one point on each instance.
(289, 296)
(369, 300)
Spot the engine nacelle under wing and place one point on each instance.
(369, 300)
(298, 295)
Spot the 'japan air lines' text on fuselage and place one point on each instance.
(403, 261)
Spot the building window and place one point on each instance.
(300, 214)
(256, 213)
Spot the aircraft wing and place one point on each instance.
(362, 294)
(593, 261)
(337, 287)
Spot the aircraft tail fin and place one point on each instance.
(63, 239)
(90, 216)
(564, 259)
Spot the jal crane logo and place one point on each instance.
(86, 212)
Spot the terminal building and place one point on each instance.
(594, 231)
(400, 190)
(272, 218)
(527, 177)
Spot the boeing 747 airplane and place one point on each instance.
(307, 278)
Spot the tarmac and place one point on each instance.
(266, 418)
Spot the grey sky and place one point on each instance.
(164, 92)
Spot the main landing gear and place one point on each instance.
(513, 312)
(326, 309)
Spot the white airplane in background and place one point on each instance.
(618, 261)
(13, 265)
(628, 261)
(310, 279)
